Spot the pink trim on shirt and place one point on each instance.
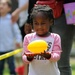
(56, 50)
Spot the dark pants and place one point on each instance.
(22, 32)
(66, 33)
(11, 65)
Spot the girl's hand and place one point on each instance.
(47, 55)
(30, 56)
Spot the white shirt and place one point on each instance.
(39, 65)
(8, 33)
(23, 15)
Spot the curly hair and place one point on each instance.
(44, 9)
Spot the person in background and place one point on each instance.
(28, 27)
(10, 36)
(42, 63)
(22, 16)
(14, 5)
(66, 33)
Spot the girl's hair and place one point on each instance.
(45, 9)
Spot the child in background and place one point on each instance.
(43, 63)
(28, 27)
(8, 33)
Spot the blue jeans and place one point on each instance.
(11, 65)
(66, 33)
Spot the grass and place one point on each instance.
(6, 71)
(72, 62)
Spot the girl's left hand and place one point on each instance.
(47, 55)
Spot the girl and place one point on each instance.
(43, 63)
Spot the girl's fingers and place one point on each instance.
(29, 54)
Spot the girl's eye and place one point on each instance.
(39, 24)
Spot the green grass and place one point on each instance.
(73, 69)
(72, 62)
(6, 71)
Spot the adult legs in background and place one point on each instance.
(66, 33)
(11, 65)
(2, 66)
(22, 32)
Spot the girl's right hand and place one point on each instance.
(30, 56)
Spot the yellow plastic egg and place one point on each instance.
(37, 46)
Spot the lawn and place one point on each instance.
(72, 61)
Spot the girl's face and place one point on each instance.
(41, 24)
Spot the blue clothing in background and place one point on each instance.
(8, 33)
(11, 65)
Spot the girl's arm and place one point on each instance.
(27, 56)
(56, 52)
(25, 51)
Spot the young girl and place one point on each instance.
(43, 63)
